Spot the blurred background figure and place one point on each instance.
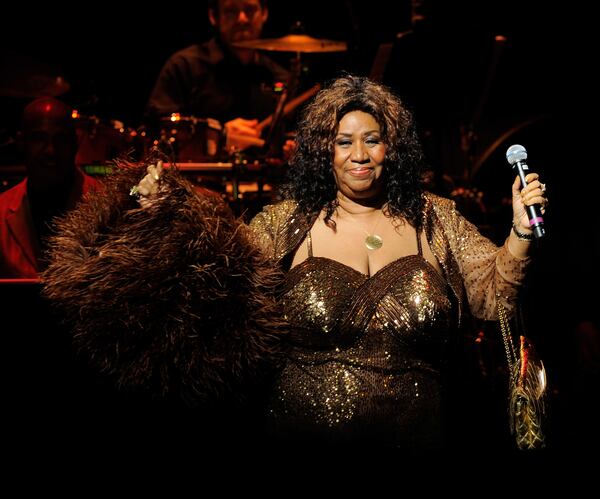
(53, 185)
(217, 80)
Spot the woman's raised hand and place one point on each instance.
(533, 193)
(147, 189)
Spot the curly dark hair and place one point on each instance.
(311, 182)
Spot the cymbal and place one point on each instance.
(294, 43)
(23, 76)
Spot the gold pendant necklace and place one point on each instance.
(374, 241)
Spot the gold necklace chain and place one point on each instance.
(374, 241)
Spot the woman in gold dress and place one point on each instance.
(356, 283)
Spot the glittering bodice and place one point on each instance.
(366, 354)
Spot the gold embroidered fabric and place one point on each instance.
(367, 354)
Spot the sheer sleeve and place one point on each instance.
(489, 272)
(271, 228)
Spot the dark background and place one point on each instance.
(111, 58)
(471, 96)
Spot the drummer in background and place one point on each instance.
(217, 80)
(53, 185)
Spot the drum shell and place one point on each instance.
(190, 141)
(100, 143)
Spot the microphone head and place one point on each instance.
(516, 153)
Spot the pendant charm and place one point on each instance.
(373, 242)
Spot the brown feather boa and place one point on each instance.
(173, 299)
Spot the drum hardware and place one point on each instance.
(101, 140)
(291, 105)
(238, 142)
(298, 43)
(190, 139)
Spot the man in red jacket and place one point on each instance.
(53, 186)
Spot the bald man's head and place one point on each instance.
(47, 111)
(50, 143)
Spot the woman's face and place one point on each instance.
(358, 157)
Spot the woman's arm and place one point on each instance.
(490, 272)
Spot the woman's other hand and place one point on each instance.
(147, 189)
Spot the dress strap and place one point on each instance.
(419, 242)
(309, 244)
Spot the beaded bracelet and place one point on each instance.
(522, 235)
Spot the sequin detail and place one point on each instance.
(366, 355)
(470, 262)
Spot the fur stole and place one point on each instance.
(175, 299)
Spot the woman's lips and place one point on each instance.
(361, 171)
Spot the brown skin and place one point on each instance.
(358, 157)
(533, 193)
(49, 143)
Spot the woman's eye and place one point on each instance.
(343, 143)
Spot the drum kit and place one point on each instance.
(200, 147)
(192, 139)
(197, 145)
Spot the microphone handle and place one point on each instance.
(535, 217)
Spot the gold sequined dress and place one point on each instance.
(367, 355)
(364, 361)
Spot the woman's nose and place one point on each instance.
(359, 153)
